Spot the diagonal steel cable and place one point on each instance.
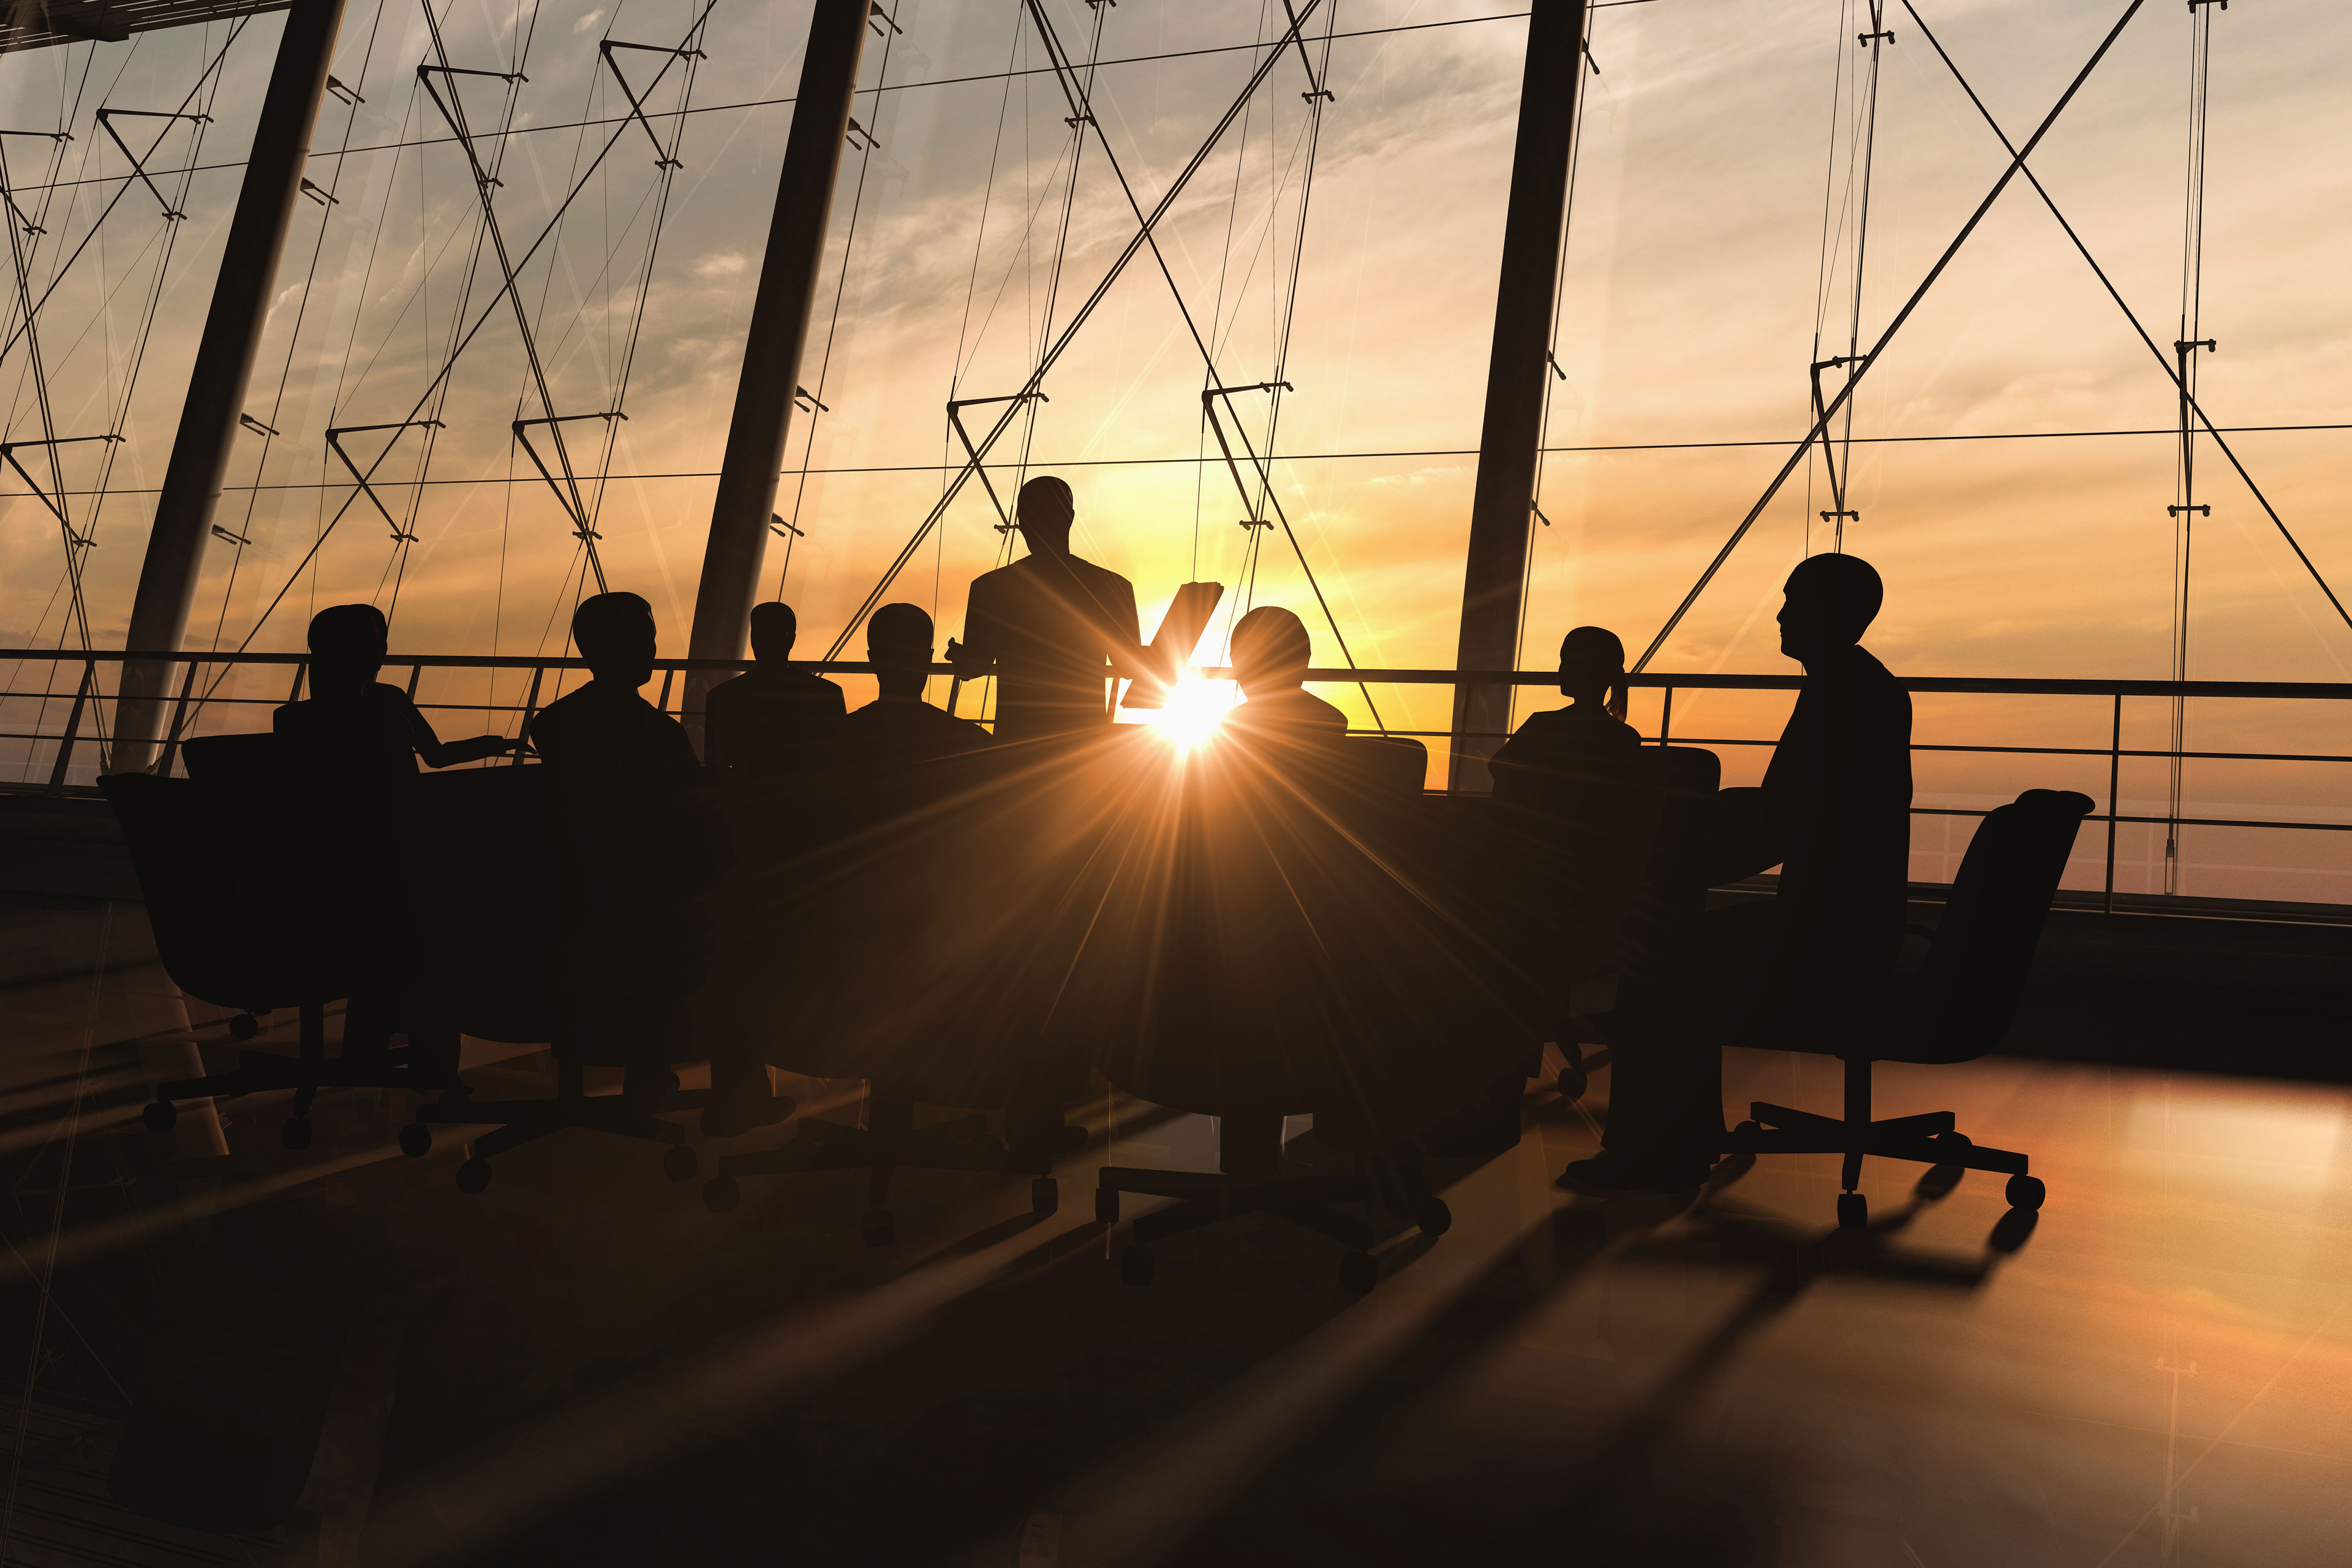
(1829, 413)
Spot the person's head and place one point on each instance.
(1592, 667)
(347, 647)
(614, 633)
(1045, 509)
(899, 645)
(1270, 650)
(774, 630)
(1828, 602)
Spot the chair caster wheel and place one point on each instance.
(1853, 1211)
(1573, 1082)
(1360, 1271)
(1106, 1205)
(2026, 1192)
(1044, 1195)
(245, 1025)
(721, 1194)
(160, 1115)
(1136, 1266)
(1433, 1216)
(878, 1229)
(473, 1176)
(680, 1164)
(296, 1134)
(416, 1140)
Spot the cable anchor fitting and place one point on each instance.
(324, 198)
(812, 405)
(858, 131)
(875, 10)
(255, 426)
(2201, 509)
(335, 85)
(1834, 516)
(2208, 344)
(780, 528)
(1873, 37)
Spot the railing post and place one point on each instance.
(2115, 776)
(669, 674)
(73, 727)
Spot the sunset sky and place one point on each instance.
(1694, 278)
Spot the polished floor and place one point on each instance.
(584, 1365)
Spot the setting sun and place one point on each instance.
(1195, 708)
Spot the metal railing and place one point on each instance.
(86, 695)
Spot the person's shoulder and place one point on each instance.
(1326, 713)
(1099, 576)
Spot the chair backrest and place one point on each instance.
(186, 871)
(1968, 992)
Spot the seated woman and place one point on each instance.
(1541, 766)
(1270, 654)
(350, 714)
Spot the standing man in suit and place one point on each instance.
(1051, 626)
(1808, 968)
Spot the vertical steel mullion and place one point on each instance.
(529, 710)
(1666, 718)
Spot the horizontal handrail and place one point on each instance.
(1992, 686)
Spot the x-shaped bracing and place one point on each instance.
(105, 122)
(2017, 165)
(335, 434)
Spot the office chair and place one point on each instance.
(259, 902)
(1351, 952)
(1667, 905)
(518, 951)
(916, 927)
(1956, 1008)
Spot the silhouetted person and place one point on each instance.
(627, 772)
(356, 738)
(773, 720)
(350, 715)
(1552, 753)
(1271, 652)
(1810, 965)
(606, 740)
(898, 728)
(1052, 626)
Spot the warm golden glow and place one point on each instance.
(1195, 708)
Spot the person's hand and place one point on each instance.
(955, 651)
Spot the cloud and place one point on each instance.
(588, 24)
(726, 264)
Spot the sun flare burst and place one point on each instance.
(1194, 708)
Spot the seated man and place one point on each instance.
(349, 712)
(1808, 968)
(1552, 750)
(898, 728)
(1052, 626)
(766, 723)
(627, 772)
(1271, 653)
(605, 738)
(357, 737)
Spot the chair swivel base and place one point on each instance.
(521, 1121)
(1205, 1198)
(1929, 1139)
(258, 1072)
(962, 1143)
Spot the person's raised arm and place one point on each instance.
(1129, 658)
(975, 656)
(439, 754)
